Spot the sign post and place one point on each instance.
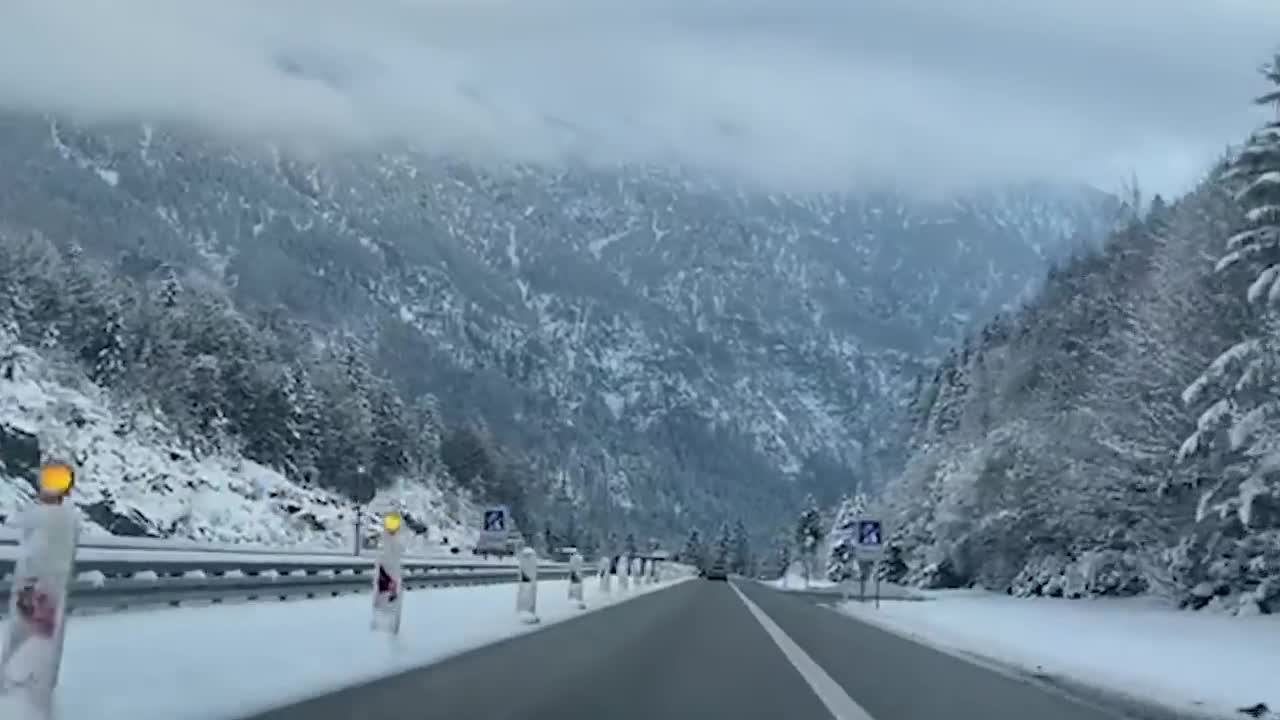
(388, 578)
(495, 530)
(527, 587)
(870, 551)
(33, 641)
(575, 580)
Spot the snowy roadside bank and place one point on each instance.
(794, 582)
(1131, 652)
(224, 661)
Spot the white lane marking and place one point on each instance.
(838, 702)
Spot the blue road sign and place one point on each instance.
(869, 532)
(494, 521)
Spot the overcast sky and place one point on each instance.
(799, 94)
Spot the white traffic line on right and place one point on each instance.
(838, 702)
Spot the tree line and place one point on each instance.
(1117, 434)
(172, 345)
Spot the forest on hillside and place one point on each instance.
(173, 345)
(1118, 434)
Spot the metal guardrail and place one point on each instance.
(9, 537)
(114, 578)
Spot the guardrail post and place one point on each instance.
(388, 578)
(624, 573)
(32, 653)
(527, 588)
(575, 581)
(605, 578)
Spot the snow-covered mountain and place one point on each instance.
(660, 350)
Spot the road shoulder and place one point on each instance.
(898, 678)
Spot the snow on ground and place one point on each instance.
(228, 661)
(794, 580)
(132, 472)
(1132, 648)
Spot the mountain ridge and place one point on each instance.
(655, 346)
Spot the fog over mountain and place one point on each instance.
(817, 94)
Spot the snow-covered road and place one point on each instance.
(1195, 663)
(228, 661)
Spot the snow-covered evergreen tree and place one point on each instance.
(740, 560)
(722, 552)
(1239, 397)
(842, 540)
(694, 551)
(782, 555)
(809, 535)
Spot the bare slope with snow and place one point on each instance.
(134, 478)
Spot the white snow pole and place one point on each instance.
(33, 641)
(575, 581)
(605, 577)
(527, 588)
(388, 578)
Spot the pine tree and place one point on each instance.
(392, 436)
(470, 456)
(266, 416)
(427, 431)
(694, 551)
(782, 554)
(306, 422)
(740, 560)
(841, 553)
(723, 550)
(1239, 393)
(548, 539)
(571, 535)
(809, 533)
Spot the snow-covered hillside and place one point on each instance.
(629, 348)
(135, 478)
(1117, 435)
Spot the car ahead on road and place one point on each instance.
(717, 571)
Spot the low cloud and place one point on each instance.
(796, 94)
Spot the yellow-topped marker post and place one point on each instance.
(391, 522)
(55, 481)
(388, 577)
(31, 654)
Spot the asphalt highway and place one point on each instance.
(701, 650)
